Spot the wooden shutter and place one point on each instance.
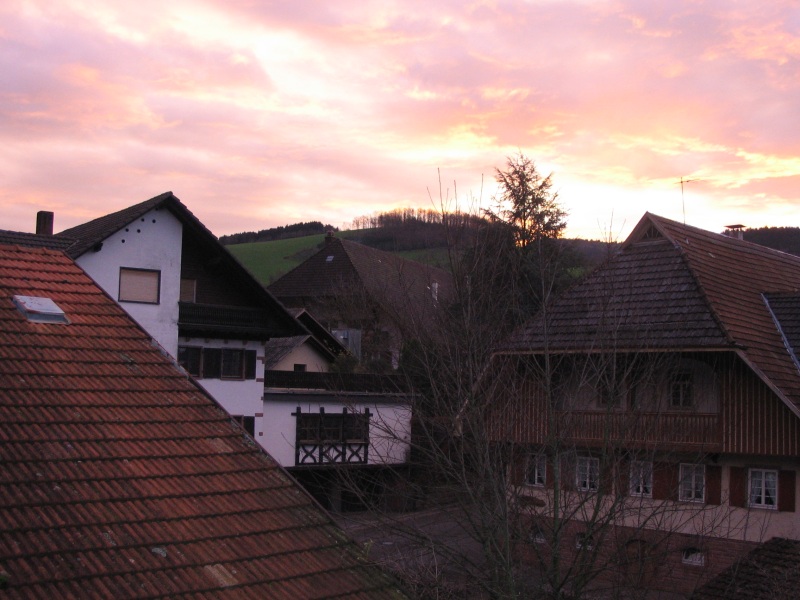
(665, 481)
(713, 484)
(212, 363)
(606, 476)
(249, 364)
(738, 487)
(786, 487)
(519, 465)
(550, 473)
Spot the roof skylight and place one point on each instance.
(40, 310)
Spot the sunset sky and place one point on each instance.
(257, 114)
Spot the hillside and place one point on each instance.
(426, 242)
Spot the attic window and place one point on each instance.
(329, 258)
(40, 310)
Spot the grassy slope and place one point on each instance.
(269, 260)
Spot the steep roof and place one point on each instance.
(405, 288)
(86, 236)
(677, 287)
(770, 572)
(122, 478)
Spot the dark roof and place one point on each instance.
(85, 236)
(770, 572)
(88, 235)
(33, 240)
(407, 290)
(330, 342)
(677, 287)
(122, 478)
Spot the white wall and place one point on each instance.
(389, 427)
(237, 396)
(151, 242)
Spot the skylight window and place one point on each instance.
(40, 310)
(329, 258)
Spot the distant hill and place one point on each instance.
(785, 239)
(421, 239)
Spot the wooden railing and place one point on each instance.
(641, 429)
(340, 382)
(226, 319)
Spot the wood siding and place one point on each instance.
(754, 420)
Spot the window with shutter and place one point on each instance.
(139, 285)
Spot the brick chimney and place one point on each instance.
(44, 222)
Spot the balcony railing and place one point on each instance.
(227, 320)
(339, 382)
(642, 429)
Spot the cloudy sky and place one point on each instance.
(258, 113)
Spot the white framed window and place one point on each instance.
(139, 285)
(692, 483)
(587, 473)
(763, 486)
(641, 479)
(537, 470)
(694, 557)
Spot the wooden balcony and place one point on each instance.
(673, 430)
(238, 322)
(341, 382)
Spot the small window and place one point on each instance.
(536, 534)
(190, 358)
(764, 488)
(584, 541)
(247, 423)
(537, 470)
(139, 285)
(692, 483)
(681, 390)
(299, 368)
(232, 364)
(641, 479)
(587, 474)
(693, 557)
(188, 290)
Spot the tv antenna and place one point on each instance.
(683, 204)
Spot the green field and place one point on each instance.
(269, 260)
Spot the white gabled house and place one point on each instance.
(206, 310)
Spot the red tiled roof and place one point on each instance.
(677, 287)
(121, 478)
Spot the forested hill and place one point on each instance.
(785, 239)
(277, 233)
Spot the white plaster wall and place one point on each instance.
(238, 397)
(389, 428)
(151, 242)
(315, 361)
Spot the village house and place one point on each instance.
(653, 411)
(263, 363)
(370, 299)
(123, 478)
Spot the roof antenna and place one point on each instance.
(683, 205)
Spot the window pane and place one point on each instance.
(138, 285)
(188, 290)
(232, 364)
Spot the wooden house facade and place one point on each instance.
(656, 409)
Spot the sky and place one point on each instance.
(258, 114)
